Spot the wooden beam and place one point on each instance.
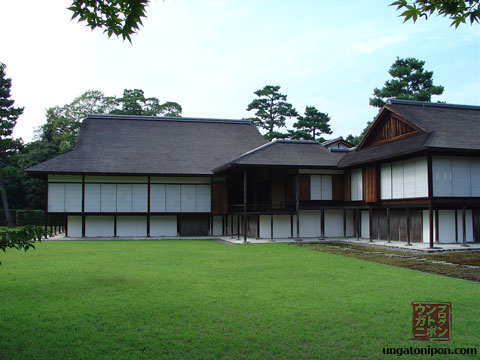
(408, 228)
(388, 225)
(322, 224)
(297, 203)
(245, 205)
(430, 224)
(464, 242)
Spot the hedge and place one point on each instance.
(3, 219)
(30, 217)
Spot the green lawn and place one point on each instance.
(201, 299)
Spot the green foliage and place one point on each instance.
(459, 11)
(117, 17)
(22, 239)
(3, 219)
(30, 217)
(410, 82)
(272, 109)
(311, 126)
(134, 102)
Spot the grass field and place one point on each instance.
(201, 299)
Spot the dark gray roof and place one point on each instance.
(118, 144)
(443, 127)
(295, 153)
(338, 139)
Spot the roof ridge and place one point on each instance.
(430, 104)
(164, 118)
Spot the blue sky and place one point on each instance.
(211, 55)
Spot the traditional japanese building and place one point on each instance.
(415, 177)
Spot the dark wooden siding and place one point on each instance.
(337, 187)
(219, 199)
(370, 185)
(393, 128)
(476, 225)
(398, 225)
(304, 186)
(193, 225)
(346, 188)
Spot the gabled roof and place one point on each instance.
(340, 139)
(438, 127)
(116, 144)
(294, 153)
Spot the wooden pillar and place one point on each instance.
(344, 223)
(437, 235)
(291, 225)
(115, 225)
(83, 205)
(271, 227)
(297, 204)
(370, 222)
(388, 224)
(238, 227)
(322, 224)
(456, 226)
(148, 207)
(430, 224)
(223, 225)
(231, 227)
(46, 204)
(245, 205)
(408, 228)
(464, 229)
(357, 232)
(66, 226)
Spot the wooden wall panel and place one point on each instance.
(304, 186)
(346, 187)
(393, 128)
(219, 198)
(370, 188)
(476, 225)
(337, 187)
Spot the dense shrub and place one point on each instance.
(30, 217)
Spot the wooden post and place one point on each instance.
(437, 235)
(271, 227)
(238, 227)
(231, 227)
(370, 223)
(344, 223)
(430, 224)
(456, 226)
(291, 225)
(357, 232)
(408, 228)
(83, 205)
(148, 207)
(245, 205)
(464, 242)
(115, 225)
(297, 204)
(322, 224)
(388, 225)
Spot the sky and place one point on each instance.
(211, 55)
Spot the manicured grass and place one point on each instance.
(201, 299)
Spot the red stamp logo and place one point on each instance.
(432, 321)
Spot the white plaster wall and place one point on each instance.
(157, 198)
(386, 181)
(163, 225)
(265, 230)
(73, 197)
(203, 198)
(281, 226)
(74, 226)
(187, 198)
(461, 184)
(365, 218)
(132, 226)
(333, 223)
(179, 180)
(475, 176)
(446, 226)
(468, 225)
(356, 187)
(99, 226)
(56, 197)
(409, 179)
(426, 226)
(310, 223)
(64, 178)
(421, 177)
(172, 198)
(442, 176)
(92, 197)
(217, 225)
(117, 179)
(139, 198)
(108, 197)
(124, 197)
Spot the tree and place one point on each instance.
(8, 118)
(312, 125)
(23, 238)
(355, 140)
(117, 17)
(410, 82)
(272, 111)
(134, 102)
(459, 11)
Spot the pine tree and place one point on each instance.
(8, 119)
(312, 125)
